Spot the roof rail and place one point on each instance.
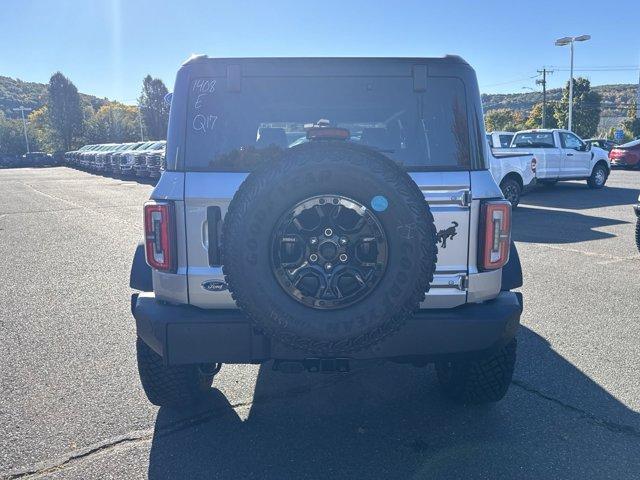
(194, 58)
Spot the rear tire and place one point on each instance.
(511, 190)
(598, 177)
(478, 381)
(638, 234)
(170, 386)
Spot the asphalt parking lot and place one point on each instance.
(71, 405)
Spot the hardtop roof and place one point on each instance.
(201, 58)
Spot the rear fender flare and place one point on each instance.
(140, 277)
(512, 271)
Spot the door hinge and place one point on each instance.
(466, 198)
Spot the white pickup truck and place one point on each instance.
(562, 155)
(514, 172)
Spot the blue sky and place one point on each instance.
(107, 46)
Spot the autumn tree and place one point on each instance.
(504, 119)
(114, 122)
(41, 135)
(535, 116)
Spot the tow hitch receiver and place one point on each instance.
(314, 365)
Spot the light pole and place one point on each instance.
(561, 42)
(140, 123)
(22, 109)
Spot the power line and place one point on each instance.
(599, 70)
(509, 81)
(633, 67)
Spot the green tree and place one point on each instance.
(11, 136)
(504, 119)
(631, 125)
(155, 112)
(113, 122)
(535, 116)
(586, 108)
(64, 111)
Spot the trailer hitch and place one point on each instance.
(313, 365)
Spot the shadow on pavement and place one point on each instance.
(389, 421)
(576, 196)
(537, 225)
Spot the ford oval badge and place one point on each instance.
(214, 286)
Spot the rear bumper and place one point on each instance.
(184, 334)
(623, 163)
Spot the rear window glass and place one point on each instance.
(505, 140)
(235, 131)
(533, 140)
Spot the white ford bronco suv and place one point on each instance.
(316, 211)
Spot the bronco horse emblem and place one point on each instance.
(446, 233)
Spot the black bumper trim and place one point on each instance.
(184, 334)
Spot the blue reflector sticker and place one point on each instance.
(379, 203)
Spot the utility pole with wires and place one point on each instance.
(22, 109)
(543, 81)
(638, 99)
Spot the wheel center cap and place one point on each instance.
(328, 250)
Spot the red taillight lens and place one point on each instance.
(495, 235)
(330, 133)
(160, 236)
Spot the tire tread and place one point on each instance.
(479, 381)
(167, 385)
(270, 322)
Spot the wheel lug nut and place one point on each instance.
(343, 257)
(343, 241)
(313, 257)
(328, 232)
(328, 266)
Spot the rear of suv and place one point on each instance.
(314, 211)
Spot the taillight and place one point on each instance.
(495, 234)
(160, 236)
(329, 133)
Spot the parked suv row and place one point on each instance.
(140, 159)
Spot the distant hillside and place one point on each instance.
(616, 100)
(15, 92)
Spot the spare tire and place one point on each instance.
(330, 248)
